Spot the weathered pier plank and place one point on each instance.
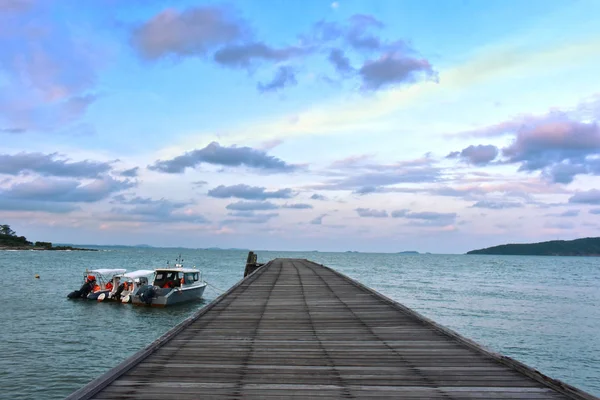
(296, 329)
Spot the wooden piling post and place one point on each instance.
(251, 264)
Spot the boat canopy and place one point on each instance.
(138, 274)
(188, 270)
(106, 271)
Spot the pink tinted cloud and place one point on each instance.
(50, 72)
(183, 33)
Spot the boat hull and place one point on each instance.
(169, 297)
(95, 295)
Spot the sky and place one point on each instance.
(376, 126)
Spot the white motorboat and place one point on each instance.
(127, 284)
(97, 284)
(171, 285)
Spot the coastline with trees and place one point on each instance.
(577, 247)
(9, 240)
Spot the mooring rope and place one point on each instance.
(216, 288)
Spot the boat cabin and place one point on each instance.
(175, 277)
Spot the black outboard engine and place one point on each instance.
(83, 291)
(146, 293)
(120, 288)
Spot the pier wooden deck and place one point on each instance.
(296, 329)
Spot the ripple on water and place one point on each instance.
(543, 311)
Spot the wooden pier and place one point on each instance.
(296, 329)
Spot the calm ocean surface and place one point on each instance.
(543, 311)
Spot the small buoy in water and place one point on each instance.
(101, 297)
(37, 276)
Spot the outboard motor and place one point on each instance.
(120, 289)
(83, 291)
(146, 293)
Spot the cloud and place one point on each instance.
(393, 68)
(50, 165)
(318, 220)
(569, 213)
(13, 130)
(64, 190)
(552, 142)
(357, 36)
(199, 183)
(566, 172)
(297, 206)
(48, 71)
(137, 200)
(340, 62)
(270, 144)
(246, 192)
(395, 64)
(518, 189)
(559, 225)
(285, 76)
(427, 218)
(555, 144)
(595, 211)
(35, 205)
(15, 5)
(252, 206)
(587, 197)
(317, 196)
(163, 210)
(243, 214)
(242, 55)
(477, 155)
(192, 32)
(200, 30)
(368, 190)
(249, 217)
(75, 106)
(365, 178)
(368, 212)
(350, 162)
(130, 173)
(335, 5)
(496, 205)
(216, 154)
(355, 32)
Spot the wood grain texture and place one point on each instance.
(295, 329)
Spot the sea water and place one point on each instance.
(543, 311)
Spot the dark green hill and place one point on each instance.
(13, 241)
(10, 241)
(577, 247)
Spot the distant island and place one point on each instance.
(577, 247)
(10, 241)
(408, 252)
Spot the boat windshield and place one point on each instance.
(190, 277)
(167, 279)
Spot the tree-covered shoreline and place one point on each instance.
(577, 247)
(10, 241)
